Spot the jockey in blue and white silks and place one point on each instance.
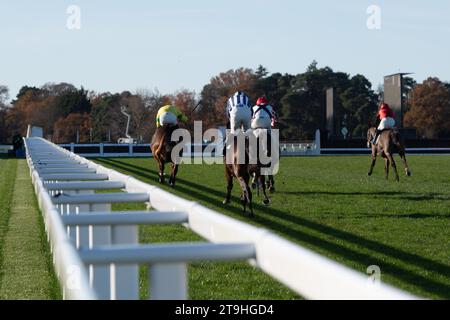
(239, 112)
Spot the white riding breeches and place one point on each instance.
(386, 123)
(168, 118)
(261, 123)
(240, 117)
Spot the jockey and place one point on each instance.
(386, 115)
(264, 117)
(239, 112)
(169, 115)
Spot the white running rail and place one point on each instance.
(97, 253)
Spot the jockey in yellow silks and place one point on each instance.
(169, 115)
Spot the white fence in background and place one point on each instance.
(102, 150)
(286, 150)
(4, 148)
(97, 253)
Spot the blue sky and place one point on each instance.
(174, 44)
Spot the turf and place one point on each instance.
(26, 270)
(7, 178)
(327, 204)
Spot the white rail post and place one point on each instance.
(125, 278)
(317, 141)
(80, 235)
(168, 281)
(100, 276)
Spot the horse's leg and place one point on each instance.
(249, 195)
(229, 178)
(161, 145)
(161, 170)
(254, 182)
(374, 161)
(173, 175)
(270, 184)
(386, 167)
(262, 183)
(403, 157)
(394, 166)
(246, 194)
(160, 167)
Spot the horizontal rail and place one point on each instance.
(75, 176)
(60, 166)
(125, 218)
(87, 185)
(66, 170)
(168, 253)
(101, 198)
(51, 162)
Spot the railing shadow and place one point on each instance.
(378, 194)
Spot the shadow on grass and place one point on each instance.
(377, 194)
(408, 277)
(400, 216)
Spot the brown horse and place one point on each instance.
(242, 172)
(389, 141)
(162, 146)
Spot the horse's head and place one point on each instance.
(370, 135)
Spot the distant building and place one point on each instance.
(393, 95)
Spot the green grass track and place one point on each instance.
(26, 271)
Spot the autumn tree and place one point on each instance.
(152, 100)
(74, 125)
(32, 107)
(106, 119)
(215, 94)
(44, 106)
(73, 101)
(140, 117)
(429, 111)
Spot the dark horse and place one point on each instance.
(162, 146)
(389, 141)
(242, 172)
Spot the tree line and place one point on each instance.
(70, 114)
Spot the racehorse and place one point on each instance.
(161, 147)
(389, 141)
(242, 172)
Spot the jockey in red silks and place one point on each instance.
(386, 116)
(264, 116)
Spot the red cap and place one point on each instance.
(261, 101)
